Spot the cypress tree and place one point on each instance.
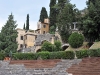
(27, 22)
(53, 14)
(43, 14)
(8, 36)
(24, 26)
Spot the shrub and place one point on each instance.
(70, 54)
(58, 55)
(57, 45)
(43, 55)
(82, 54)
(94, 52)
(62, 55)
(24, 56)
(76, 40)
(98, 52)
(47, 46)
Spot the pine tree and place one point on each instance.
(43, 14)
(24, 26)
(53, 15)
(27, 22)
(8, 36)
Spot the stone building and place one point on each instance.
(43, 28)
(25, 38)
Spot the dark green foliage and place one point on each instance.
(52, 16)
(91, 22)
(24, 56)
(27, 22)
(52, 29)
(76, 40)
(8, 36)
(43, 55)
(62, 55)
(82, 54)
(24, 26)
(70, 54)
(64, 22)
(47, 46)
(58, 55)
(2, 55)
(57, 45)
(43, 14)
(94, 52)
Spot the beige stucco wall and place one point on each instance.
(30, 38)
(46, 29)
(21, 32)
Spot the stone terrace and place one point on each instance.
(36, 67)
(88, 66)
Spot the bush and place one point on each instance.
(76, 40)
(24, 56)
(43, 55)
(58, 55)
(57, 45)
(82, 54)
(62, 55)
(70, 54)
(94, 52)
(47, 46)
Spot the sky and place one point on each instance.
(20, 9)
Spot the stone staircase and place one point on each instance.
(36, 67)
(88, 66)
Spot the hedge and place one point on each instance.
(24, 56)
(94, 53)
(54, 55)
(82, 54)
(44, 55)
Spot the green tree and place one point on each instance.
(43, 14)
(24, 26)
(47, 46)
(76, 40)
(65, 19)
(52, 16)
(91, 22)
(27, 22)
(8, 36)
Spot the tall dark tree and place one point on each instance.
(27, 22)
(65, 19)
(8, 36)
(52, 16)
(92, 21)
(24, 26)
(43, 14)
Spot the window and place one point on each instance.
(21, 37)
(21, 46)
(43, 32)
(44, 26)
